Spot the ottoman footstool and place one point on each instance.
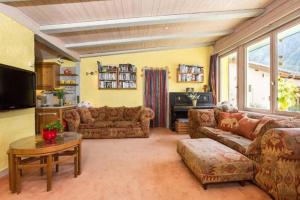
(213, 162)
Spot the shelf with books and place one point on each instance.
(113, 77)
(190, 74)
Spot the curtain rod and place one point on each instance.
(163, 68)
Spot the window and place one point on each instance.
(288, 62)
(258, 75)
(228, 78)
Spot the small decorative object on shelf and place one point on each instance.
(60, 93)
(205, 88)
(194, 97)
(67, 72)
(190, 73)
(50, 131)
(189, 90)
(113, 77)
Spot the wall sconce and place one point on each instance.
(91, 73)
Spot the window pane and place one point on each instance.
(258, 75)
(289, 69)
(228, 78)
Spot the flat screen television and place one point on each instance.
(17, 88)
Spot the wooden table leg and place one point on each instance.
(11, 167)
(17, 174)
(76, 162)
(49, 172)
(79, 159)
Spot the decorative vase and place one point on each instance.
(61, 102)
(49, 135)
(194, 102)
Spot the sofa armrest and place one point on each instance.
(279, 167)
(282, 142)
(200, 118)
(146, 115)
(72, 118)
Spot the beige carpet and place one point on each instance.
(129, 169)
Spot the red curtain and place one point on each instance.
(212, 82)
(155, 95)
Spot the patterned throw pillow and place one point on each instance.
(229, 121)
(85, 116)
(246, 127)
(98, 113)
(205, 117)
(114, 113)
(133, 113)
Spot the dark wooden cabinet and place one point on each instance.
(44, 116)
(47, 75)
(179, 104)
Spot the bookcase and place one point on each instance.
(190, 74)
(113, 77)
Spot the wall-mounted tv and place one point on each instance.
(17, 88)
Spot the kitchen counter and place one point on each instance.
(57, 107)
(47, 115)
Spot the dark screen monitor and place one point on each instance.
(17, 88)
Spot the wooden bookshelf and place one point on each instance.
(190, 74)
(113, 77)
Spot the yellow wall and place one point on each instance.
(172, 58)
(16, 49)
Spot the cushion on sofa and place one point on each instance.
(126, 124)
(85, 116)
(98, 113)
(103, 124)
(205, 117)
(246, 127)
(114, 113)
(229, 121)
(133, 113)
(236, 142)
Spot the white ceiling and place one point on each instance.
(90, 27)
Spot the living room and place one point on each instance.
(171, 99)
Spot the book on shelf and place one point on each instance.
(127, 84)
(190, 69)
(127, 68)
(108, 76)
(107, 84)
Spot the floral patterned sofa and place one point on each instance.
(275, 151)
(110, 122)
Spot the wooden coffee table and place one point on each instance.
(35, 146)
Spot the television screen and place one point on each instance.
(17, 88)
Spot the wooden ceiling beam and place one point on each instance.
(142, 21)
(146, 39)
(163, 48)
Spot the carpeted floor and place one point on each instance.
(129, 169)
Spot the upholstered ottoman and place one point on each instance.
(213, 162)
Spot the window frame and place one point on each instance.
(219, 75)
(275, 33)
(245, 47)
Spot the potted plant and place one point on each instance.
(194, 97)
(60, 93)
(50, 130)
